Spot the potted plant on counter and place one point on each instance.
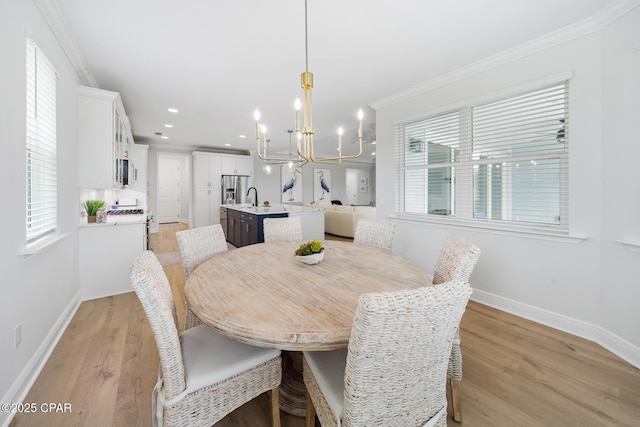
(92, 207)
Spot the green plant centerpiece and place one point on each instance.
(310, 253)
(92, 207)
(309, 248)
(266, 204)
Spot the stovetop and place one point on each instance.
(126, 211)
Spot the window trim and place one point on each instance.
(42, 244)
(560, 232)
(563, 236)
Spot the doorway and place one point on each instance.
(172, 201)
(352, 186)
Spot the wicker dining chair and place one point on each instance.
(394, 372)
(375, 233)
(287, 229)
(196, 246)
(457, 259)
(203, 375)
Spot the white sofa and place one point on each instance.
(341, 220)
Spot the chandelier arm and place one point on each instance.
(278, 160)
(262, 153)
(340, 157)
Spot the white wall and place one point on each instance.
(619, 291)
(40, 290)
(579, 286)
(270, 188)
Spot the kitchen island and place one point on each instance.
(244, 223)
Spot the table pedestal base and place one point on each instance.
(293, 398)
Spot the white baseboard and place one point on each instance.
(29, 374)
(597, 334)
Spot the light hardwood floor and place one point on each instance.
(516, 372)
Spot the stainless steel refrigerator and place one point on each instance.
(234, 189)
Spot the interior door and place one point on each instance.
(169, 203)
(352, 186)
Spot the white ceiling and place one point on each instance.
(217, 61)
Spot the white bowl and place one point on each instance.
(311, 259)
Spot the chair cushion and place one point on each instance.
(328, 369)
(210, 357)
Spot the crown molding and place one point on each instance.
(614, 10)
(52, 14)
(604, 17)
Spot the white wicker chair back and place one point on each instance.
(457, 260)
(287, 229)
(196, 246)
(199, 244)
(154, 292)
(375, 233)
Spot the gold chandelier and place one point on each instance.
(305, 148)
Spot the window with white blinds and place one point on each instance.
(504, 162)
(41, 203)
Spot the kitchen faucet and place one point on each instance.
(255, 201)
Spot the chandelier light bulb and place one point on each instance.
(340, 131)
(267, 169)
(360, 114)
(297, 104)
(263, 129)
(256, 115)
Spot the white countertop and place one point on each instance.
(273, 209)
(120, 221)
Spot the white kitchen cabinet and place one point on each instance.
(140, 156)
(106, 253)
(206, 207)
(237, 165)
(206, 195)
(104, 137)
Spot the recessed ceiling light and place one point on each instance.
(168, 125)
(373, 142)
(242, 136)
(172, 110)
(373, 154)
(227, 145)
(164, 137)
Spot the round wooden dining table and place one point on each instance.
(263, 295)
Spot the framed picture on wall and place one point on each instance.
(291, 184)
(363, 188)
(321, 184)
(363, 181)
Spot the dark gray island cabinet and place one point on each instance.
(244, 224)
(244, 228)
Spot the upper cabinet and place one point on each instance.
(206, 170)
(140, 160)
(105, 140)
(237, 165)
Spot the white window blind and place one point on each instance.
(41, 203)
(429, 156)
(504, 162)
